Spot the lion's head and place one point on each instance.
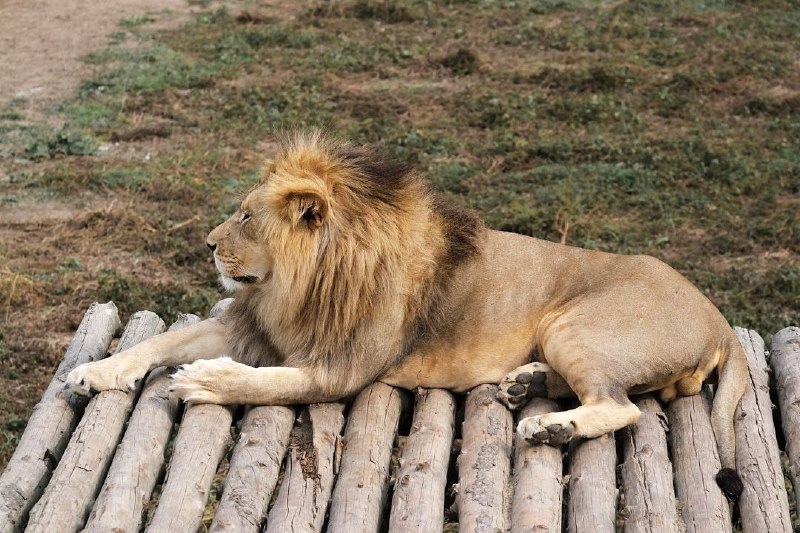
(318, 198)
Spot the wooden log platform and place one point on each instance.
(392, 460)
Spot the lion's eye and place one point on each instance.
(244, 218)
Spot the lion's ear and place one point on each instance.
(310, 209)
(266, 171)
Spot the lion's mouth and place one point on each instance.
(245, 279)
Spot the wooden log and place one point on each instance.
(763, 505)
(484, 464)
(69, 495)
(360, 494)
(647, 473)
(696, 462)
(785, 362)
(314, 447)
(52, 420)
(418, 502)
(536, 505)
(139, 460)
(592, 502)
(254, 468)
(201, 444)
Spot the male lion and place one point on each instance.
(348, 269)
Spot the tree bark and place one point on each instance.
(484, 464)
(69, 495)
(139, 460)
(201, 444)
(52, 420)
(254, 469)
(592, 502)
(785, 361)
(418, 502)
(536, 505)
(647, 473)
(359, 496)
(314, 448)
(695, 459)
(764, 505)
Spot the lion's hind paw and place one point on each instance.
(522, 384)
(535, 430)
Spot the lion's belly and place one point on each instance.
(463, 366)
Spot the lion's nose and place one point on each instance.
(211, 246)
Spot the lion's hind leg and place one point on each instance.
(590, 420)
(534, 380)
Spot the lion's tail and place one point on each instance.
(733, 376)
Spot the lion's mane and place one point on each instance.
(352, 298)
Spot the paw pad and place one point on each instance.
(517, 389)
(535, 432)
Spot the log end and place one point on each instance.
(730, 483)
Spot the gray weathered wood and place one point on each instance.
(418, 502)
(484, 464)
(785, 362)
(647, 473)
(360, 493)
(253, 473)
(69, 495)
(311, 465)
(536, 505)
(139, 460)
(764, 505)
(52, 420)
(695, 461)
(201, 444)
(592, 502)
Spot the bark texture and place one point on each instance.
(592, 502)
(696, 461)
(52, 421)
(418, 502)
(255, 465)
(647, 473)
(536, 505)
(139, 460)
(201, 444)
(359, 497)
(764, 505)
(315, 445)
(785, 362)
(484, 465)
(69, 495)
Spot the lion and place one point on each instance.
(348, 269)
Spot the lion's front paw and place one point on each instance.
(522, 384)
(537, 430)
(206, 381)
(107, 374)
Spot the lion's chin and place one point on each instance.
(235, 283)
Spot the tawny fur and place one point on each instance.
(349, 269)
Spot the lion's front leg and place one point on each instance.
(226, 382)
(122, 370)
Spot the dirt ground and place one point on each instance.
(43, 40)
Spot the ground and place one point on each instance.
(126, 133)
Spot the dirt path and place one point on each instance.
(42, 42)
